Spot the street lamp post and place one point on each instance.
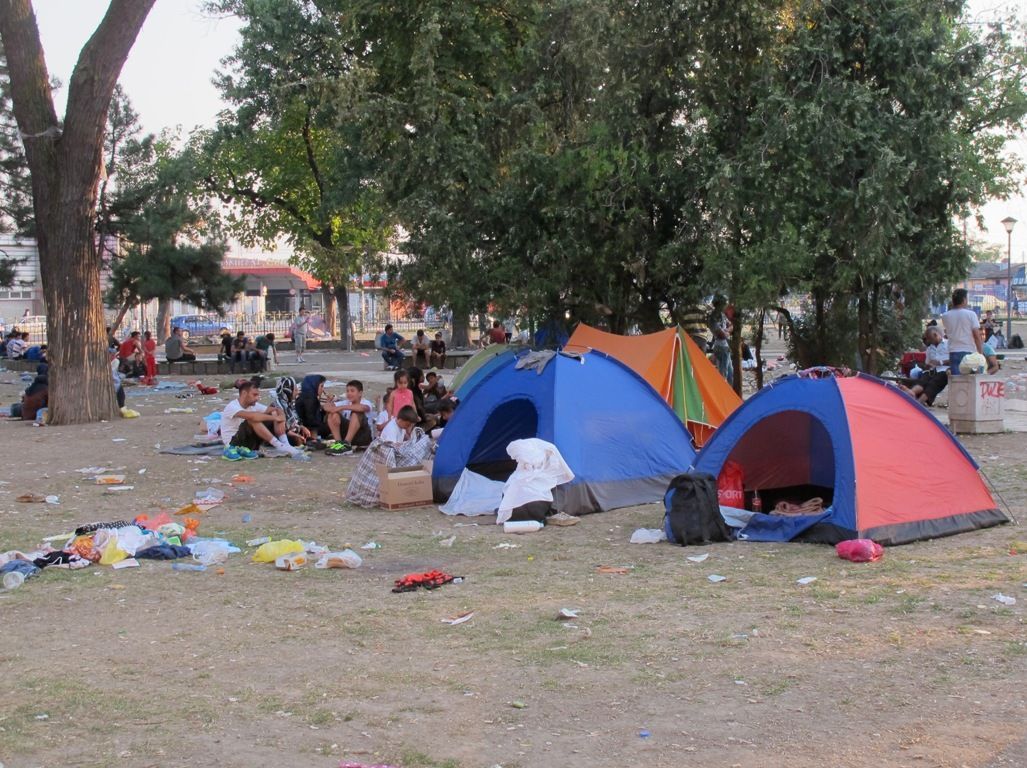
(1008, 222)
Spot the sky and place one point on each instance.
(168, 76)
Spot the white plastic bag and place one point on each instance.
(474, 494)
(210, 552)
(540, 468)
(648, 536)
(345, 559)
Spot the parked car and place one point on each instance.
(199, 325)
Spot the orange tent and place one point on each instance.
(675, 367)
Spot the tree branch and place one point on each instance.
(312, 160)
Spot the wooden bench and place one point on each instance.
(454, 358)
(205, 367)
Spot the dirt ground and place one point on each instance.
(905, 662)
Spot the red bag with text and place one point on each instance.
(731, 486)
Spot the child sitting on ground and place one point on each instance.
(399, 428)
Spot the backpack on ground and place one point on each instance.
(1015, 342)
(692, 511)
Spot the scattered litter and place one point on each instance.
(616, 570)
(506, 545)
(110, 479)
(567, 613)
(345, 764)
(258, 542)
(447, 542)
(806, 580)
(188, 567)
(716, 579)
(522, 526)
(740, 682)
(114, 488)
(648, 536)
(179, 410)
(291, 562)
(460, 618)
(130, 562)
(1004, 599)
(119, 439)
(31, 498)
(142, 471)
(518, 705)
(270, 551)
(43, 716)
(241, 479)
(644, 734)
(52, 499)
(698, 558)
(190, 509)
(371, 545)
(247, 517)
(345, 559)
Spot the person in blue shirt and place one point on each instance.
(389, 345)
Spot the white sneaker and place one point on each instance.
(275, 453)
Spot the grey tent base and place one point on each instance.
(585, 498)
(919, 530)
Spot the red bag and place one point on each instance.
(731, 486)
(859, 550)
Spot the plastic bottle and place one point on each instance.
(188, 567)
(757, 502)
(13, 580)
(42, 415)
(522, 526)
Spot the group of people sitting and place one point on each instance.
(426, 353)
(16, 346)
(136, 354)
(245, 353)
(293, 422)
(945, 346)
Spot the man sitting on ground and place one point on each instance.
(176, 350)
(247, 425)
(355, 413)
(389, 345)
(398, 429)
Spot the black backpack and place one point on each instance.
(1015, 342)
(693, 512)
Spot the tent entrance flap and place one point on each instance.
(786, 450)
(512, 420)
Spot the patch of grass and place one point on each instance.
(415, 759)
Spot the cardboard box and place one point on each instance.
(402, 487)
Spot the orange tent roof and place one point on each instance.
(650, 356)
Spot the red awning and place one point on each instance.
(292, 273)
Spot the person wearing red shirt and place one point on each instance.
(150, 355)
(497, 335)
(130, 356)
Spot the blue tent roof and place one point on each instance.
(619, 437)
(503, 358)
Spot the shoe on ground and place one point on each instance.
(231, 453)
(350, 451)
(562, 518)
(300, 456)
(248, 453)
(272, 452)
(337, 449)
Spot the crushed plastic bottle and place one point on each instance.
(188, 567)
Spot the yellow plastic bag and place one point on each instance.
(128, 413)
(112, 553)
(268, 553)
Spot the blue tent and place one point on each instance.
(619, 437)
(886, 469)
(503, 358)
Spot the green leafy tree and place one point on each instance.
(289, 156)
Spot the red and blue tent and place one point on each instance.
(885, 467)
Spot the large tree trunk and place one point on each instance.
(163, 320)
(345, 330)
(65, 167)
(461, 332)
(331, 323)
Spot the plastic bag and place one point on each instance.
(345, 559)
(731, 486)
(111, 553)
(474, 494)
(210, 552)
(648, 536)
(268, 553)
(859, 550)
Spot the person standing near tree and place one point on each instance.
(721, 326)
(300, 330)
(150, 355)
(963, 330)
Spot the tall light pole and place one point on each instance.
(1009, 222)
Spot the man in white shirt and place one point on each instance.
(935, 378)
(356, 414)
(963, 330)
(17, 345)
(247, 425)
